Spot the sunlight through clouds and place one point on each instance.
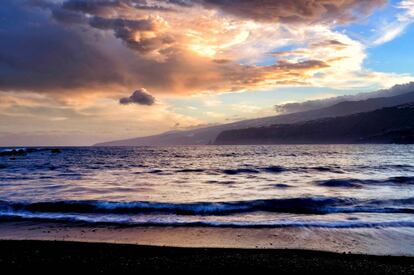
(98, 52)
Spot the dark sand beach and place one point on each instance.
(58, 256)
(53, 247)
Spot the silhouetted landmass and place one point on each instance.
(25, 151)
(14, 152)
(387, 125)
(205, 135)
(308, 105)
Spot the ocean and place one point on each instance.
(313, 186)
(323, 186)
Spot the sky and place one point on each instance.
(79, 72)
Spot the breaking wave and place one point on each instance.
(305, 205)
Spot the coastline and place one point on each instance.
(369, 241)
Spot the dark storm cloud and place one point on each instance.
(68, 17)
(127, 30)
(105, 15)
(140, 97)
(119, 23)
(95, 7)
(37, 54)
(291, 11)
(111, 7)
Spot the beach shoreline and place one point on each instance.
(369, 241)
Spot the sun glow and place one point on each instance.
(203, 50)
(219, 40)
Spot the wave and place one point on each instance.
(273, 169)
(335, 169)
(358, 183)
(175, 222)
(235, 171)
(191, 170)
(351, 183)
(305, 205)
(240, 171)
(398, 167)
(281, 185)
(402, 180)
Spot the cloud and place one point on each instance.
(81, 47)
(33, 119)
(285, 11)
(96, 7)
(68, 17)
(140, 97)
(142, 35)
(88, 58)
(395, 28)
(112, 7)
(293, 11)
(58, 58)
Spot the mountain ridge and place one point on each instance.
(207, 135)
(386, 125)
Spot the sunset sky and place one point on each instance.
(77, 72)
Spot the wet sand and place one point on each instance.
(386, 241)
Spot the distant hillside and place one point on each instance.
(308, 105)
(387, 125)
(209, 134)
